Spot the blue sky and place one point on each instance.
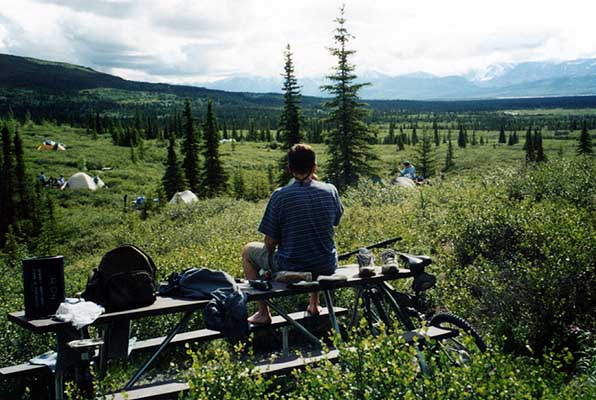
(185, 41)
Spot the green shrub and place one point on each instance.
(528, 267)
(216, 374)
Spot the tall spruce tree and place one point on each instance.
(289, 121)
(190, 149)
(414, 136)
(213, 177)
(7, 211)
(425, 157)
(400, 142)
(23, 189)
(537, 141)
(390, 138)
(436, 133)
(529, 146)
(349, 151)
(584, 147)
(502, 137)
(449, 163)
(461, 137)
(173, 179)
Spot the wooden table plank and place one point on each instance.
(350, 271)
(162, 305)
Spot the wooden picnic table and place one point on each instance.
(64, 331)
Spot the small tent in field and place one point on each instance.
(51, 145)
(404, 182)
(81, 180)
(185, 197)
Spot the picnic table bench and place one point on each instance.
(65, 333)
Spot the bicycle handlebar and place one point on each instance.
(372, 246)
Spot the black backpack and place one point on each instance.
(125, 279)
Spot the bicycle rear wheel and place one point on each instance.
(460, 349)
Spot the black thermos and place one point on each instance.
(43, 285)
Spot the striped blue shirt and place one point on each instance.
(301, 217)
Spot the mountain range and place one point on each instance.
(528, 79)
(63, 91)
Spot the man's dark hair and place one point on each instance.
(301, 158)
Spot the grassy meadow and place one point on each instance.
(514, 250)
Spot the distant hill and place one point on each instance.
(68, 92)
(62, 78)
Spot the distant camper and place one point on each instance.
(409, 171)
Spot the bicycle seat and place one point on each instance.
(414, 263)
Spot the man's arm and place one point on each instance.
(270, 244)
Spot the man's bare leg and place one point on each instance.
(263, 315)
(313, 304)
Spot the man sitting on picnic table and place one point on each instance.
(298, 225)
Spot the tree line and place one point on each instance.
(26, 211)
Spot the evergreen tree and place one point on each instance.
(400, 143)
(537, 141)
(173, 179)
(141, 149)
(98, 124)
(529, 146)
(7, 210)
(510, 140)
(390, 139)
(515, 138)
(502, 138)
(350, 154)
(426, 159)
(436, 132)
(225, 131)
(23, 190)
(449, 163)
(213, 177)
(190, 149)
(461, 137)
(481, 140)
(133, 154)
(414, 136)
(474, 141)
(584, 146)
(289, 121)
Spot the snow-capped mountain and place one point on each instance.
(568, 78)
(491, 72)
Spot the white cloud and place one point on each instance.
(193, 41)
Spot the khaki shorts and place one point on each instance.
(258, 256)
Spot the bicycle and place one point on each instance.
(438, 332)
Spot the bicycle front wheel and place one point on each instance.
(460, 349)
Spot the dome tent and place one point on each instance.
(51, 145)
(185, 197)
(404, 182)
(81, 180)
